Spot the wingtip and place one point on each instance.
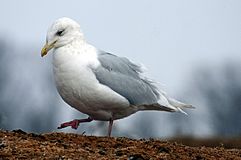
(180, 110)
(189, 106)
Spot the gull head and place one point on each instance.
(62, 32)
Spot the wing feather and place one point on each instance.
(124, 77)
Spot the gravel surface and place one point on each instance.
(18, 144)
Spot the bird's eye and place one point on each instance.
(60, 32)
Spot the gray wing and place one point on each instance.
(123, 77)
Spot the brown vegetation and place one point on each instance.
(20, 145)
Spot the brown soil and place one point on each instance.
(20, 145)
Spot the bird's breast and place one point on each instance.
(74, 79)
(78, 86)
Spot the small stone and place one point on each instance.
(2, 145)
(163, 149)
(136, 157)
(119, 153)
(19, 131)
(102, 152)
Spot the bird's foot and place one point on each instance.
(75, 123)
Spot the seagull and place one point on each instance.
(102, 85)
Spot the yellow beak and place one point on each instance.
(46, 48)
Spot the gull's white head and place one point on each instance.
(62, 32)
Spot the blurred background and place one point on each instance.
(191, 47)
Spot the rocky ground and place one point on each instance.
(20, 145)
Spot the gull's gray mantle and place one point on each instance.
(123, 77)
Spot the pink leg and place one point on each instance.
(75, 123)
(110, 127)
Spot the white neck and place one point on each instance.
(78, 52)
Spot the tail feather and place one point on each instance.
(167, 104)
(179, 105)
(157, 107)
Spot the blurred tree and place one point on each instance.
(28, 97)
(221, 91)
(3, 80)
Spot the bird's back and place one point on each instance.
(124, 77)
